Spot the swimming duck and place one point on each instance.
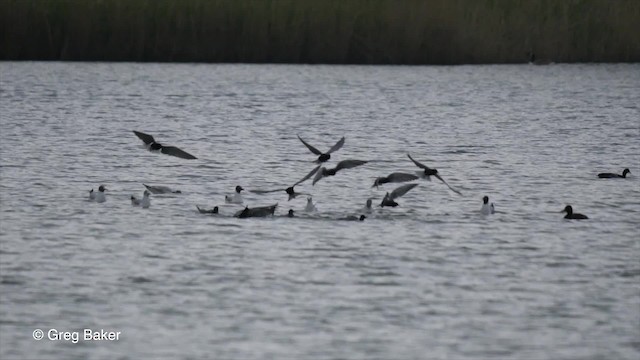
(260, 211)
(205, 211)
(571, 215)
(612, 175)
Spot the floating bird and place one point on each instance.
(354, 218)
(152, 145)
(236, 198)
(290, 213)
(145, 202)
(487, 208)
(322, 157)
(290, 190)
(394, 178)
(310, 206)
(205, 211)
(571, 215)
(344, 164)
(428, 172)
(367, 208)
(159, 189)
(612, 175)
(389, 199)
(99, 196)
(260, 211)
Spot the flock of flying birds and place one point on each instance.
(318, 173)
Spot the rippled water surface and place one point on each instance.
(431, 278)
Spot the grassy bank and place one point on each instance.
(321, 31)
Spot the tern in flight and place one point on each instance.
(290, 190)
(389, 198)
(428, 172)
(322, 157)
(344, 164)
(152, 145)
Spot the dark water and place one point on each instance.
(431, 278)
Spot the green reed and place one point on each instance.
(322, 31)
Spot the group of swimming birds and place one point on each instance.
(319, 172)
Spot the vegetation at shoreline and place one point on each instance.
(321, 31)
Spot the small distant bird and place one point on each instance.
(290, 190)
(236, 198)
(99, 196)
(310, 206)
(571, 215)
(152, 145)
(159, 189)
(612, 175)
(260, 211)
(389, 199)
(205, 211)
(322, 157)
(290, 213)
(344, 164)
(487, 208)
(145, 202)
(394, 178)
(428, 172)
(367, 208)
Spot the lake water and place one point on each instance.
(431, 278)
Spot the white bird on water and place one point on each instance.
(236, 198)
(367, 208)
(145, 202)
(487, 208)
(99, 196)
(311, 207)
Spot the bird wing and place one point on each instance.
(265, 191)
(313, 150)
(319, 175)
(174, 151)
(148, 139)
(348, 164)
(337, 146)
(449, 186)
(401, 177)
(315, 169)
(399, 191)
(150, 188)
(418, 164)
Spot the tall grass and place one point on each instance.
(322, 31)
